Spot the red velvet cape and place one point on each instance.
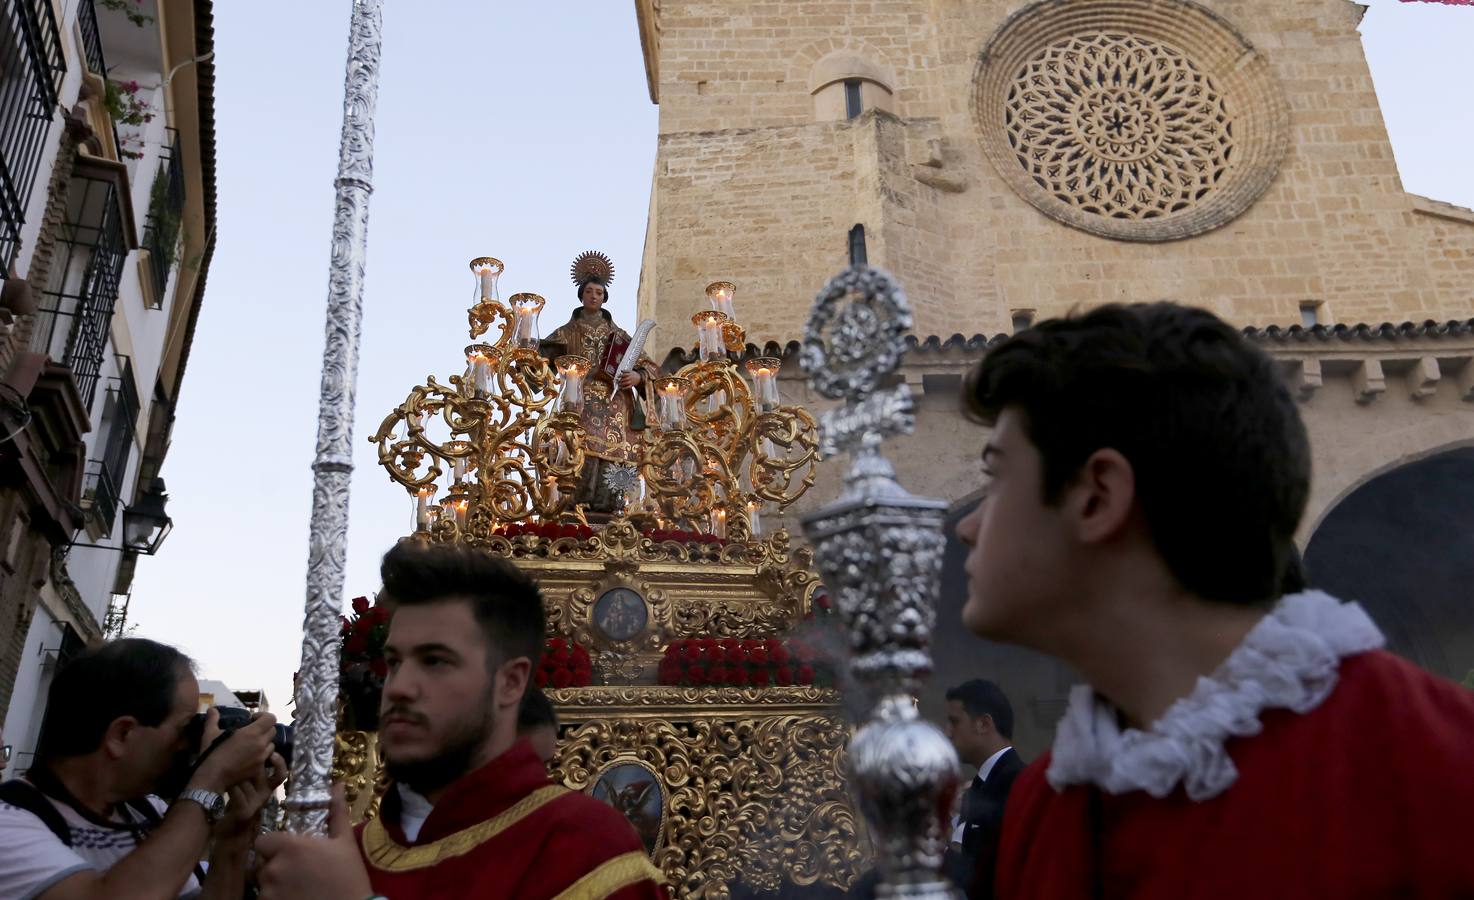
(505, 830)
(1369, 795)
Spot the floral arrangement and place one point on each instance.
(550, 531)
(362, 669)
(661, 535)
(743, 662)
(564, 664)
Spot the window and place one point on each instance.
(857, 246)
(76, 309)
(852, 103)
(1023, 319)
(31, 69)
(115, 447)
(850, 81)
(165, 206)
(1310, 314)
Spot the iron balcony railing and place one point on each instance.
(31, 69)
(91, 38)
(76, 309)
(165, 209)
(100, 496)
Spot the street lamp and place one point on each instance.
(145, 524)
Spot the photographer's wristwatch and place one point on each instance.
(212, 803)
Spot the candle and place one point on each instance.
(719, 522)
(525, 308)
(764, 372)
(487, 271)
(573, 369)
(719, 294)
(424, 502)
(671, 393)
(709, 333)
(478, 369)
(754, 517)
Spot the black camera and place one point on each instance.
(233, 718)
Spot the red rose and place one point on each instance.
(344, 625)
(806, 674)
(380, 615)
(783, 676)
(379, 667)
(541, 677)
(562, 678)
(759, 677)
(360, 605)
(355, 644)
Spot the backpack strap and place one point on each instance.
(153, 820)
(23, 795)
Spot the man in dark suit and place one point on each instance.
(980, 726)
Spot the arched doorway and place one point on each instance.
(1402, 545)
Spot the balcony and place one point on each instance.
(91, 38)
(31, 70)
(165, 209)
(76, 309)
(100, 497)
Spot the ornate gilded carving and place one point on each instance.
(754, 780)
(1128, 118)
(357, 766)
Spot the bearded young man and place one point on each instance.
(1147, 471)
(472, 813)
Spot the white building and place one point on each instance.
(107, 223)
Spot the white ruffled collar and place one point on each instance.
(1289, 660)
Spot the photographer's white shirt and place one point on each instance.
(33, 859)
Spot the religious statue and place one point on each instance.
(613, 414)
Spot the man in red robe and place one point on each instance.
(472, 812)
(1147, 471)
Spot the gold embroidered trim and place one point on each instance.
(613, 875)
(388, 855)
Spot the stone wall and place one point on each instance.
(749, 187)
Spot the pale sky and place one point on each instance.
(517, 130)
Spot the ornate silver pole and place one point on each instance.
(879, 550)
(317, 685)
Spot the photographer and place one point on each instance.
(82, 823)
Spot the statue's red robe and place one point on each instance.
(506, 830)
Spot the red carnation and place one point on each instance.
(739, 676)
(541, 677)
(759, 677)
(360, 605)
(562, 678)
(777, 652)
(783, 676)
(696, 675)
(805, 674)
(557, 643)
(758, 655)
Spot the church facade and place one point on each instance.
(1015, 161)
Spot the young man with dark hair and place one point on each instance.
(538, 722)
(980, 726)
(1147, 470)
(82, 824)
(472, 812)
